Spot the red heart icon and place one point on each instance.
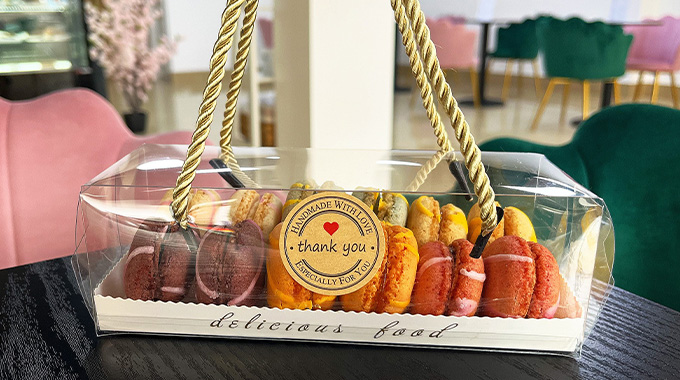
(331, 227)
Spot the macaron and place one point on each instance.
(389, 291)
(368, 195)
(515, 222)
(201, 208)
(157, 264)
(522, 279)
(468, 280)
(243, 205)
(393, 209)
(298, 191)
(433, 279)
(424, 218)
(283, 292)
(402, 264)
(453, 224)
(229, 265)
(568, 306)
(268, 213)
(448, 280)
(546, 296)
(510, 278)
(475, 225)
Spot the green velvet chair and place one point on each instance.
(629, 156)
(575, 50)
(517, 42)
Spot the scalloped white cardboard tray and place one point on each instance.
(117, 314)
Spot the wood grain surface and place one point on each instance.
(46, 332)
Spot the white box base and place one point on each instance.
(117, 314)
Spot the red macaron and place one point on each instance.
(157, 266)
(522, 280)
(229, 265)
(448, 280)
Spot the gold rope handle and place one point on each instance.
(245, 39)
(471, 152)
(410, 20)
(212, 90)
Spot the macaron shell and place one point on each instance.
(423, 219)
(366, 298)
(546, 296)
(402, 265)
(517, 223)
(510, 278)
(475, 225)
(453, 225)
(468, 280)
(246, 274)
(433, 279)
(283, 291)
(244, 206)
(568, 306)
(268, 213)
(212, 259)
(298, 191)
(368, 195)
(322, 301)
(393, 209)
(173, 268)
(141, 261)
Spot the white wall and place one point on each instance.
(197, 23)
(334, 65)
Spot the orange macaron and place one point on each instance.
(390, 289)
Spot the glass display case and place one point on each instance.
(41, 36)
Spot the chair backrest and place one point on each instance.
(455, 43)
(582, 50)
(50, 147)
(656, 44)
(639, 183)
(517, 41)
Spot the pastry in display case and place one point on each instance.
(41, 36)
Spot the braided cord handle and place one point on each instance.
(424, 66)
(180, 196)
(411, 19)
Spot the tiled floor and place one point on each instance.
(174, 102)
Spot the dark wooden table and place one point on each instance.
(46, 332)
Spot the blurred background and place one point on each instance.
(334, 74)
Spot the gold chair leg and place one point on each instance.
(544, 103)
(617, 92)
(565, 101)
(655, 88)
(674, 91)
(475, 88)
(638, 87)
(586, 99)
(507, 80)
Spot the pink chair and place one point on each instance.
(456, 48)
(267, 31)
(50, 147)
(656, 49)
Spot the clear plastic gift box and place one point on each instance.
(229, 284)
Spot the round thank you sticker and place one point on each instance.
(332, 243)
